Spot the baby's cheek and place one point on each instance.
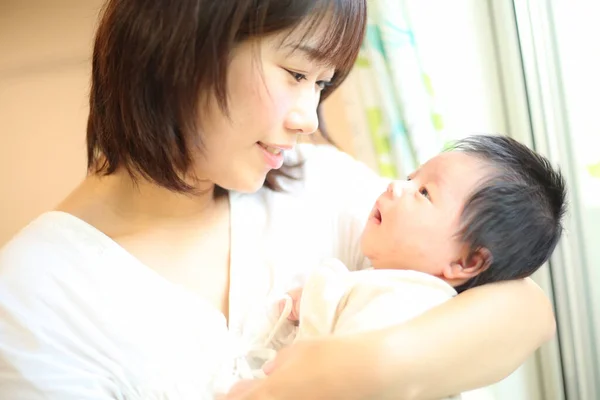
(403, 229)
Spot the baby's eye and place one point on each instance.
(425, 193)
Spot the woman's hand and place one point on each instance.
(328, 368)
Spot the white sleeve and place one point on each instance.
(346, 190)
(39, 358)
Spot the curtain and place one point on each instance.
(390, 98)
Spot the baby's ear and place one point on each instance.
(469, 265)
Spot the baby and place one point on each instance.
(488, 210)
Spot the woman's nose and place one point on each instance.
(302, 122)
(303, 118)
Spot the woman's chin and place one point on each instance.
(247, 185)
(249, 190)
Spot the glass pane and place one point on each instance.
(577, 31)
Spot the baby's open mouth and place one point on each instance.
(377, 215)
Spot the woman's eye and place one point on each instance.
(425, 193)
(296, 75)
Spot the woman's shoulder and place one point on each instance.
(325, 160)
(329, 185)
(55, 254)
(42, 263)
(51, 237)
(329, 173)
(33, 241)
(328, 206)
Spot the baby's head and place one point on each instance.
(488, 210)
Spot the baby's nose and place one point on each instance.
(396, 188)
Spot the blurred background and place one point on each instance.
(430, 71)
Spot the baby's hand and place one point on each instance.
(296, 295)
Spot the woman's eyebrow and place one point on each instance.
(312, 53)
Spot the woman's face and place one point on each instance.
(273, 93)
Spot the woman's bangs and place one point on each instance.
(340, 27)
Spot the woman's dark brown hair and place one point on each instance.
(154, 59)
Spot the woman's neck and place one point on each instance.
(100, 199)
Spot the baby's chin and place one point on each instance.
(364, 248)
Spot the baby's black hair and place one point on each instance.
(515, 213)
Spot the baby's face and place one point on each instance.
(414, 224)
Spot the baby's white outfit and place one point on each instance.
(339, 302)
(336, 301)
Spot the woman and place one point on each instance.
(139, 284)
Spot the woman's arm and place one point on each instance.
(474, 340)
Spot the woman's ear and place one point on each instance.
(468, 266)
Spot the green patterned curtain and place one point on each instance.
(390, 100)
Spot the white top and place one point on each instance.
(81, 318)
